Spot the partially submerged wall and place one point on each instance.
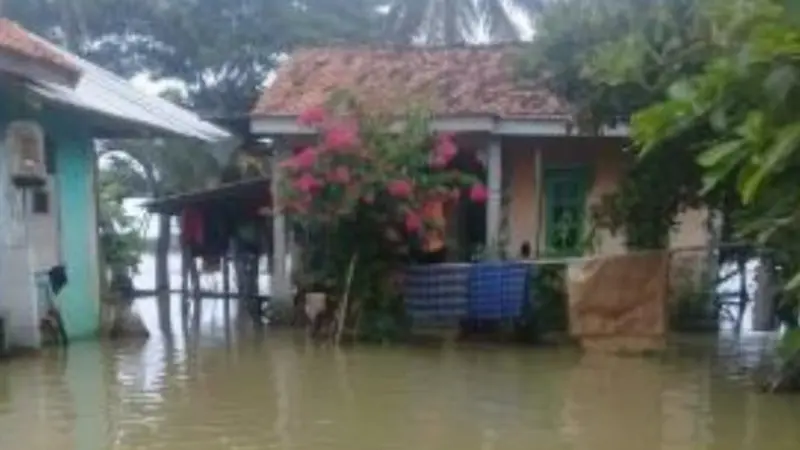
(619, 303)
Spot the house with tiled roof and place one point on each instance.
(543, 176)
(53, 106)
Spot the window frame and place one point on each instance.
(581, 177)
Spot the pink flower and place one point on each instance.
(340, 175)
(455, 194)
(307, 183)
(444, 152)
(413, 222)
(400, 188)
(478, 193)
(341, 137)
(303, 160)
(312, 116)
(433, 213)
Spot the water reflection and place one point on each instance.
(213, 383)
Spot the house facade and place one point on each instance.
(543, 176)
(54, 106)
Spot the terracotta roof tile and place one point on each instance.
(15, 39)
(450, 81)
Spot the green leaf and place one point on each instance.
(719, 119)
(789, 344)
(715, 155)
(787, 141)
(752, 127)
(779, 82)
(681, 90)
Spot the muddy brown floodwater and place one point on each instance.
(210, 387)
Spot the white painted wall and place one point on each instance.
(18, 304)
(43, 231)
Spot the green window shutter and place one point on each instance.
(565, 191)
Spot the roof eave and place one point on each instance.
(287, 125)
(125, 126)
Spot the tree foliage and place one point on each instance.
(119, 233)
(608, 60)
(222, 50)
(709, 87)
(745, 96)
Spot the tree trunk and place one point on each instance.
(744, 296)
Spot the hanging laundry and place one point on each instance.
(436, 294)
(498, 290)
(192, 230)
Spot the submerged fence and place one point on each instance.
(699, 293)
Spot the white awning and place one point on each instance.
(102, 92)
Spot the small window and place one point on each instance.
(41, 202)
(565, 192)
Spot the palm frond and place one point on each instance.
(450, 22)
(497, 21)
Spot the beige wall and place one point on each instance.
(606, 162)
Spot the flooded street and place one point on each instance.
(213, 388)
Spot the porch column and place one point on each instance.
(494, 175)
(280, 285)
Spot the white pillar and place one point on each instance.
(280, 285)
(494, 174)
(538, 245)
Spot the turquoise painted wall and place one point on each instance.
(75, 180)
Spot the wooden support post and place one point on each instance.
(184, 280)
(184, 271)
(194, 276)
(226, 280)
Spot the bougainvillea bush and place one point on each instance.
(365, 194)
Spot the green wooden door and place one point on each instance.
(565, 192)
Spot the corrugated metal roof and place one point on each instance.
(101, 91)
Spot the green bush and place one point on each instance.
(545, 312)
